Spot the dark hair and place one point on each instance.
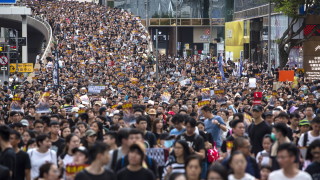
(97, 148)
(225, 111)
(38, 122)
(41, 138)
(178, 118)
(315, 120)
(68, 140)
(235, 153)
(31, 141)
(44, 169)
(219, 169)
(186, 149)
(200, 122)
(268, 136)
(63, 130)
(136, 131)
(5, 133)
(294, 115)
(123, 133)
(240, 115)
(313, 145)
(291, 148)
(281, 127)
(190, 158)
(234, 123)
(154, 125)
(100, 132)
(191, 121)
(137, 148)
(238, 143)
(173, 176)
(266, 167)
(206, 109)
(16, 133)
(141, 118)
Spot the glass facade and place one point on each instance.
(240, 5)
(169, 8)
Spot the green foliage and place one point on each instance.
(291, 7)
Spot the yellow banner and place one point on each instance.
(22, 67)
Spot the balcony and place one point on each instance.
(183, 22)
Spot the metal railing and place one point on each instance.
(184, 21)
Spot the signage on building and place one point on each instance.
(217, 21)
(311, 63)
(7, 1)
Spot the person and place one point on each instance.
(313, 154)
(56, 141)
(8, 155)
(217, 171)
(265, 171)
(48, 171)
(263, 156)
(175, 162)
(97, 127)
(110, 138)
(136, 136)
(150, 138)
(72, 141)
(257, 129)
(279, 136)
(238, 164)
(177, 176)
(178, 120)
(41, 154)
(99, 157)
(193, 167)
(4, 173)
(23, 166)
(238, 130)
(89, 139)
(308, 137)
(195, 141)
(135, 168)
(213, 125)
(121, 151)
(288, 157)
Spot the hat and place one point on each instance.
(304, 122)
(269, 113)
(98, 103)
(140, 147)
(90, 132)
(280, 107)
(102, 109)
(24, 122)
(81, 106)
(152, 112)
(257, 108)
(75, 109)
(81, 149)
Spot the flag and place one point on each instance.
(221, 68)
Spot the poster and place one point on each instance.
(286, 76)
(205, 93)
(165, 97)
(43, 106)
(252, 82)
(16, 104)
(95, 89)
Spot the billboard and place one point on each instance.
(7, 1)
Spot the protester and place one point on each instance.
(238, 164)
(217, 171)
(48, 171)
(193, 167)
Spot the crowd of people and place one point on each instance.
(112, 117)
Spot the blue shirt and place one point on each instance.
(214, 129)
(176, 132)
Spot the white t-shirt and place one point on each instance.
(265, 159)
(246, 177)
(310, 139)
(37, 159)
(279, 175)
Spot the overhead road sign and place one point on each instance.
(22, 67)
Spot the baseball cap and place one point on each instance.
(81, 149)
(24, 122)
(90, 132)
(257, 108)
(304, 122)
(152, 111)
(75, 109)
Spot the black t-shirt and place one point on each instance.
(58, 146)
(143, 174)
(4, 173)
(22, 163)
(256, 134)
(85, 175)
(314, 170)
(224, 143)
(151, 139)
(195, 141)
(8, 159)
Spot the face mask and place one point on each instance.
(168, 143)
(76, 115)
(273, 137)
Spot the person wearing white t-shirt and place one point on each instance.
(41, 155)
(288, 158)
(312, 135)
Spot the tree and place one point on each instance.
(291, 9)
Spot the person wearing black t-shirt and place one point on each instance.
(8, 156)
(313, 153)
(135, 170)
(23, 164)
(99, 157)
(149, 137)
(195, 141)
(56, 140)
(257, 129)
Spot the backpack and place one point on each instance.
(114, 159)
(213, 154)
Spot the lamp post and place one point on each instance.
(157, 59)
(269, 37)
(176, 53)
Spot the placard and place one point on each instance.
(95, 89)
(286, 76)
